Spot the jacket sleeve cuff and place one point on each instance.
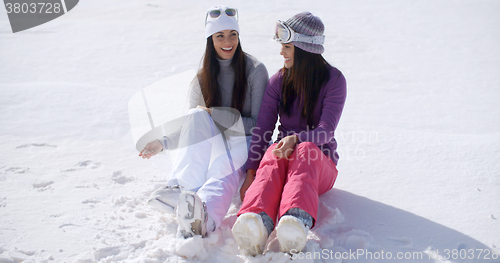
(163, 142)
(251, 165)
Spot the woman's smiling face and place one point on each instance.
(287, 51)
(225, 43)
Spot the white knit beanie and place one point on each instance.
(223, 22)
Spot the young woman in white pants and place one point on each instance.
(212, 144)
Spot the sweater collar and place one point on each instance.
(225, 64)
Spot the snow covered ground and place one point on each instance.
(419, 138)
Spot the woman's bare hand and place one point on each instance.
(205, 108)
(285, 147)
(151, 149)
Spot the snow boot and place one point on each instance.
(292, 234)
(191, 215)
(165, 199)
(250, 234)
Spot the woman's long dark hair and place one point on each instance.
(208, 73)
(304, 81)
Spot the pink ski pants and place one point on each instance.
(281, 184)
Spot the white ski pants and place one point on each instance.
(208, 165)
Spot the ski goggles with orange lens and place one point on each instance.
(216, 13)
(285, 34)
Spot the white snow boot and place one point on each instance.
(250, 234)
(191, 215)
(165, 199)
(292, 234)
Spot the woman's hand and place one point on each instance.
(151, 149)
(285, 147)
(246, 184)
(205, 108)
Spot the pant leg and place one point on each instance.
(264, 194)
(223, 182)
(192, 161)
(310, 174)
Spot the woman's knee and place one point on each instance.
(308, 151)
(306, 146)
(269, 156)
(196, 116)
(194, 111)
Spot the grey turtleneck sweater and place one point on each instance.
(257, 77)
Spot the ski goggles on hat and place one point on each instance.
(285, 34)
(216, 13)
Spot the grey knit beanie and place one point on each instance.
(307, 24)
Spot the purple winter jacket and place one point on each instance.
(326, 117)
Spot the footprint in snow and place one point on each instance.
(121, 179)
(88, 164)
(404, 242)
(18, 170)
(84, 165)
(91, 201)
(35, 145)
(88, 186)
(65, 226)
(42, 186)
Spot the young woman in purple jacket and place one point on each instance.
(284, 181)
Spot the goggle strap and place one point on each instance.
(317, 40)
(298, 37)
